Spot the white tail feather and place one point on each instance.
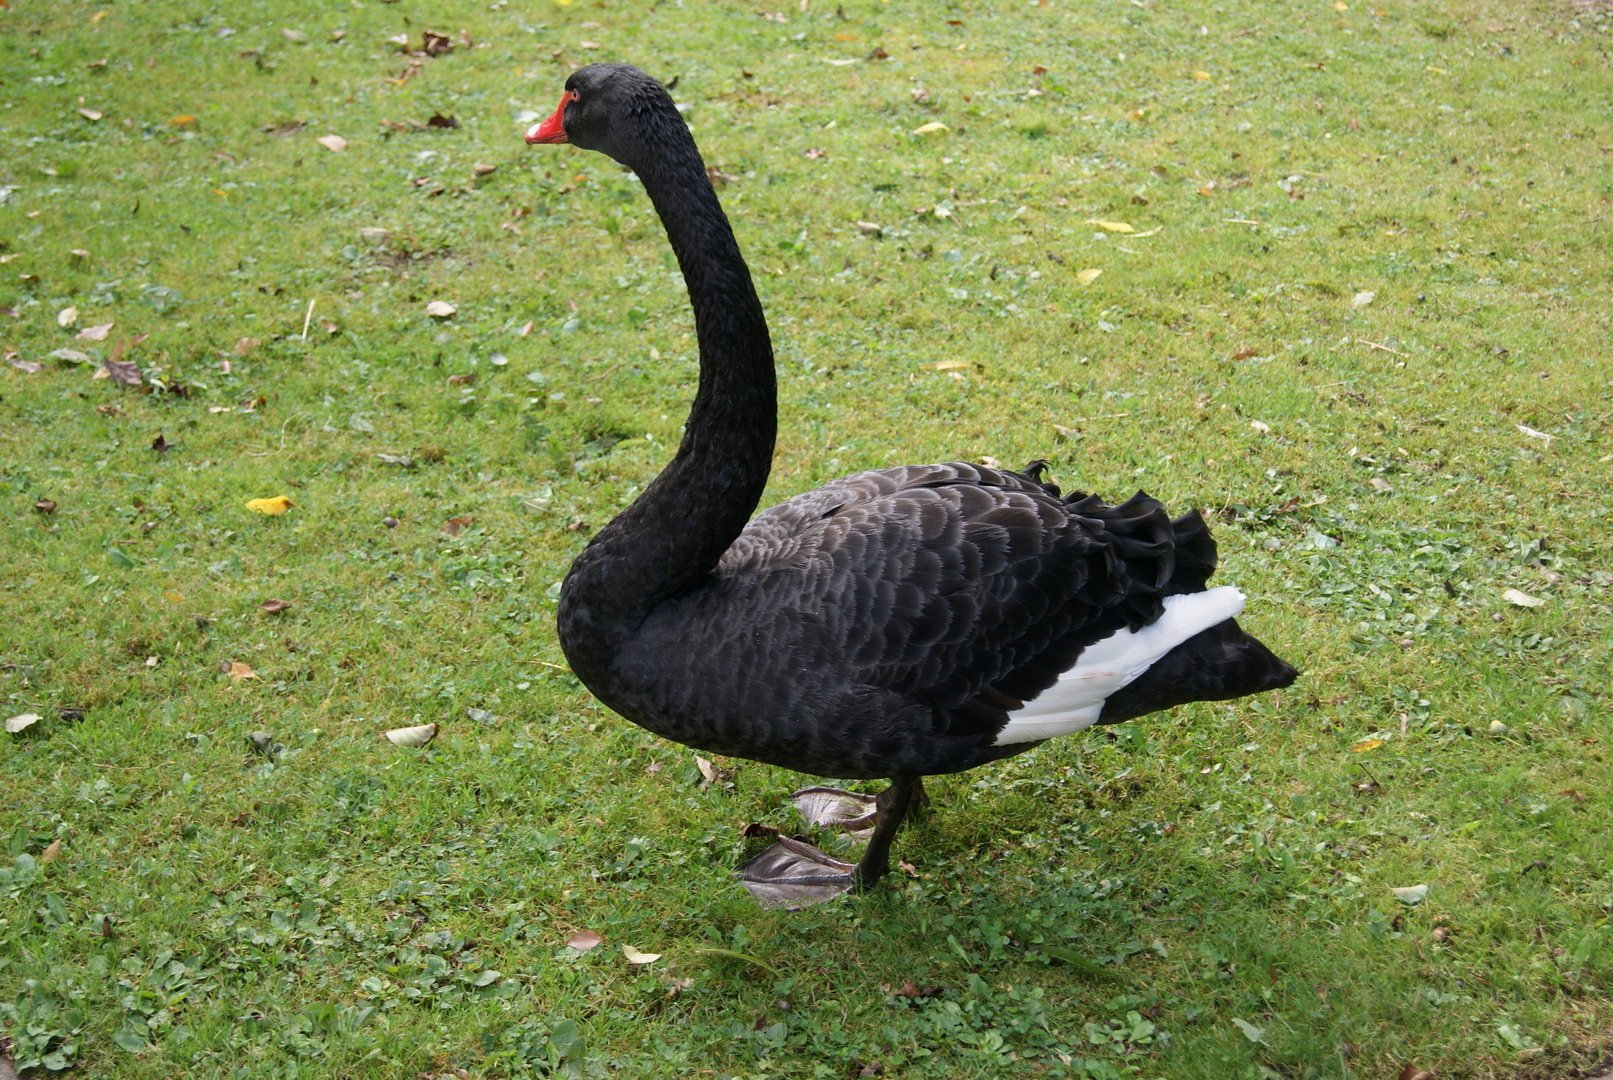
(1076, 700)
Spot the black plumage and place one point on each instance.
(887, 624)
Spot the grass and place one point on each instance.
(1368, 250)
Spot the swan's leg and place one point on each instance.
(794, 875)
(893, 805)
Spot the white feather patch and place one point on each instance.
(1076, 700)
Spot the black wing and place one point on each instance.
(886, 621)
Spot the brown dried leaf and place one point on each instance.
(122, 372)
(274, 607)
(51, 853)
(238, 671)
(45, 506)
(466, 379)
(914, 993)
(455, 525)
(1413, 1072)
(246, 345)
(438, 120)
(583, 940)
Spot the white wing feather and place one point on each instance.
(1076, 700)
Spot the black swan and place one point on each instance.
(893, 624)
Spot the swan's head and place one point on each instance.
(615, 109)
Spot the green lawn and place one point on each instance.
(1351, 291)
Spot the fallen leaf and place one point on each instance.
(1411, 895)
(440, 309)
(484, 170)
(1440, 934)
(1260, 427)
(1088, 276)
(440, 121)
(246, 345)
(1064, 433)
(1362, 299)
(1533, 434)
(526, 328)
(707, 769)
(31, 367)
(1363, 747)
(90, 114)
(914, 993)
(160, 444)
(21, 722)
(238, 671)
(869, 228)
(412, 736)
(275, 607)
(183, 120)
(67, 316)
(333, 143)
(636, 957)
(466, 379)
(455, 525)
(1201, 76)
(45, 506)
(1250, 1032)
(931, 128)
(95, 333)
(951, 365)
(122, 372)
(1522, 599)
(1410, 1071)
(583, 940)
(52, 851)
(275, 504)
(1380, 485)
(1579, 799)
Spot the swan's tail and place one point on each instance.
(1195, 651)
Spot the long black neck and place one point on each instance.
(672, 536)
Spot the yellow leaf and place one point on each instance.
(173, 597)
(279, 504)
(98, 16)
(952, 365)
(1089, 275)
(333, 143)
(1341, 6)
(1111, 226)
(183, 120)
(931, 128)
(1370, 744)
(1437, 70)
(1202, 76)
(239, 671)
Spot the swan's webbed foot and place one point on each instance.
(832, 808)
(794, 875)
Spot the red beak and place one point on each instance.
(553, 129)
